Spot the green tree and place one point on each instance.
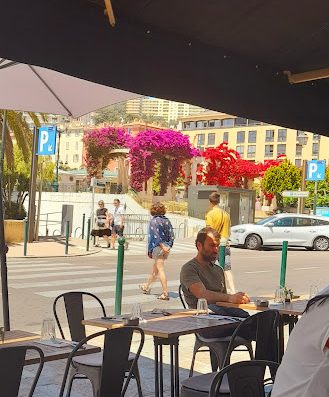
(285, 176)
(323, 192)
(113, 114)
(16, 182)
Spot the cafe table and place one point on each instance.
(289, 313)
(166, 327)
(51, 353)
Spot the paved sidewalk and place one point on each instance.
(51, 247)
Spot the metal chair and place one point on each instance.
(110, 379)
(88, 365)
(263, 328)
(217, 347)
(11, 367)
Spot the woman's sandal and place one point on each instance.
(163, 297)
(145, 290)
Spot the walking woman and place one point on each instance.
(161, 239)
(101, 225)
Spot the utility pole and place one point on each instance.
(56, 183)
(301, 200)
(33, 181)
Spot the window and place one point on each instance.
(282, 135)
(225, 136)
(67, 146)
(240, 150)
(67, 133)
(251, 151)
(269, 136)
(240, 136)
(319, 222)
(254, 122)
(299, 149)
(218, 123)
(200, 139)
(77, 133)
(211, 123)
(239, 121)
(281, 149)
(268, 150)
(303, 222)
(315, 149)
(76, 145)
(316, 137)
(75, 158)
(186, 125)
(199, 124)
(284, 222)
(211, 139)
(298, 162)
(228, 122)
(252, 136)
(201, 148)
(205, 124)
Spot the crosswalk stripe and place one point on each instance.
(53, 283)
(107, 288)
(28, 266)
(56, 274)
(53, 267)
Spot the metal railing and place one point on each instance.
(49, 222)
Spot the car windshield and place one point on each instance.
(263, 221)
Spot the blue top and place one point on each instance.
(160, 231)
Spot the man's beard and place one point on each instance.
(209, 258)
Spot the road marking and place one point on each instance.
(56, 274)
(53, 283)
(53, 267)
(259, 271)
(28, 266)
(306, 268)
(107, 288)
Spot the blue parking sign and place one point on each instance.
(47, 140)
(316, 170)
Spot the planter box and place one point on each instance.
(14, 231)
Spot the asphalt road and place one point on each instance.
(34, 283)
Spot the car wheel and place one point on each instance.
(253, 242)
(321, 243)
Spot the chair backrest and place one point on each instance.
(261, 327)
(12, 361)
(181, 296)
(116, 350)
(245, 378)
(73, 302)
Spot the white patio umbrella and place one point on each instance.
(36, 89)
(32, 88)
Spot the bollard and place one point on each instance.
(67, 232)
(222, 256)
(88, 234)
(118, 287)
(83, 226)
(26, 230)
(283, 264)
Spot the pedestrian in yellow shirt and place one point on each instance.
(220, 220)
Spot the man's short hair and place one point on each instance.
(157, 209)
(203, 233)
(116, 199)
(214, 197)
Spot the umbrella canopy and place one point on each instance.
(223, 55)
(33, 88)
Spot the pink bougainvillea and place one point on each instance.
(99, 143)
(167, 147)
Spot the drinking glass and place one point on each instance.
(313, 290)
(137, 312)
(48, 329)
(279, 295)
(2, 334)
(202, 307)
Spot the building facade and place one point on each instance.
(254, 140)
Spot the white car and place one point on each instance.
(309, 231)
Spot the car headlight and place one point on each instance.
(239, 231)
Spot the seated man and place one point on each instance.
(202, 278)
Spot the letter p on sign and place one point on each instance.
(316, 170)
(43, 139)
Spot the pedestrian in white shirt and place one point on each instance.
(117, 221)
(304, 371)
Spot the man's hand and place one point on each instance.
(165, 249)
(239, 297)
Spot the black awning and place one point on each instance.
(223, 55)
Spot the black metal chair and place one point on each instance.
(87, 365)
(217, 347)
(110, 379)
(11, 367)
(263, 329)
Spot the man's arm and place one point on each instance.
(200, 291)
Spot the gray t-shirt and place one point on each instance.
(211, 276)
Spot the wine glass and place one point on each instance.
(48, 329)
(137, 312)
(279, 296)
(202, 307)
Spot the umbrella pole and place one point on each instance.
(3, 246)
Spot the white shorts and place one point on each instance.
(159, 253)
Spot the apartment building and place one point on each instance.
(169, 110)
(254, 140)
